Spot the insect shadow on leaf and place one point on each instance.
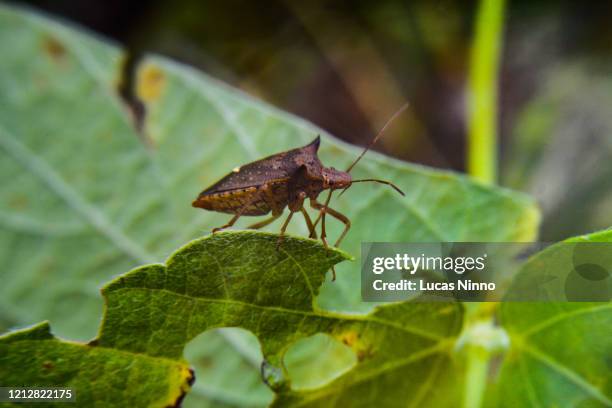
(282, 180)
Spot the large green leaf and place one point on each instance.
(402, 350)
(560, 353)
(233, 279)
(76, 178)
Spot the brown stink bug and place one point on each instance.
(284, 180)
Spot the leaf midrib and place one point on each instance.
(87, 347)
(309, 313)
(40, 169)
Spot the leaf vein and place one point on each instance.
(54, 181)
(563, 316)
(567, 373)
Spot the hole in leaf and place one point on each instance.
(317, 360)
(227, 366)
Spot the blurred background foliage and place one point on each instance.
(348, 65)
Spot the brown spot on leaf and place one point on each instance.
(151, 82)
(54, 49)
(364, 353)
(349, 338)
(205, 361)
(361, 348)
(18, 202)
(48, 365)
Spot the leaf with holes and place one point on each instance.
(404, 350)
(233, 279)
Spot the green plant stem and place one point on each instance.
(478, 359)
(480, 340)
(482, 160)
(482, 147)
(477, 352)
(482, 91)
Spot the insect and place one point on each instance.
(282, 180)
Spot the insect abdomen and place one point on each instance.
(232, 201)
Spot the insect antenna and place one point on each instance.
(396, 188)
(372, 142)
(380, 133)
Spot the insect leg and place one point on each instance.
(295, 204)
(318, 206)
(311, 227)
(229, 224)
(322, 208)
(283, 228)
(265, 222)
(321, 212)
(341, 217)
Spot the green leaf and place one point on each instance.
(402, 349)
(98, 376)
(84, 196)
(76, 179)
(225, 280)
(232, 279)
(560, 353)
(229, 279)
